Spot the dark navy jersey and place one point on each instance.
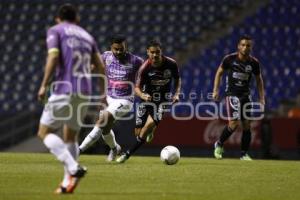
(156, 81)
(239, 74)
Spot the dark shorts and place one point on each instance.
(239, 108)
(145, 109)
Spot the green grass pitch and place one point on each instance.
(35, 176)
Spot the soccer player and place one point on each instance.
(121, 68)
(153, 86)
(239, 66)
(71, 51)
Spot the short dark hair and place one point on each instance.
(67, 12)
(153, 43)
(245, 37)
(117, 39)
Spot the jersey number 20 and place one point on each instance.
(82, 62)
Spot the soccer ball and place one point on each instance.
(170, 155)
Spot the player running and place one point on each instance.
(121, 68)
(153, 86)
(70, 50)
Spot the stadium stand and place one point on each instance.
(176, 23)
(276, 32)
(24, 25)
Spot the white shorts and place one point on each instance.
(118, 107)
(64, 109)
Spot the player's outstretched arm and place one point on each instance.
(217, 81)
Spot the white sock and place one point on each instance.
(66, 179)
(91, 138)
(60, 151)
(74, 151)
(110, 139)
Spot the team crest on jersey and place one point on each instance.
(248, 68)
(141, 110)
(167, 73)
(109, 60)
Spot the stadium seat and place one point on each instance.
(274, 29)
(24, 24)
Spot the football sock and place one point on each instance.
(110, 139)
(91, 138)
(74, 151)
(138, 144)
(58, 148)
(246, 139)
(66, 179)
(227, 132)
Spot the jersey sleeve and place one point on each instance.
(139, 62)
(225, 64)
(52, 40)
(140, 77)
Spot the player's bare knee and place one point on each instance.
(105, 119)
(42, 132)
(102, 119)
(233, 125)
(137, 131)
(150, 127)
(70, 140)
(70, 136)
